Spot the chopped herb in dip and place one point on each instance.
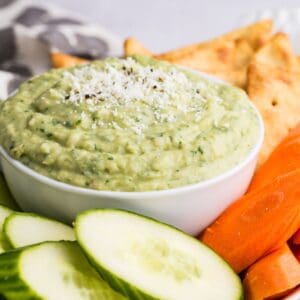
(132, 124)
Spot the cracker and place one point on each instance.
(278, 52)
(226, 59)
(273, 86)
(133, 46)
(227, 56)
(255, 34)
(63, 60)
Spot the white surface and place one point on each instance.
(165, 24)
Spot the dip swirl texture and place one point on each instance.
(132, 124)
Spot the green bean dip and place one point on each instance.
(132, 124)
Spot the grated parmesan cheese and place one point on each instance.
(121, 85)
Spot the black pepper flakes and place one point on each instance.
(200, 150)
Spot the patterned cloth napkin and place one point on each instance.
(30, 32)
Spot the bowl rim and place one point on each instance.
(121, 194)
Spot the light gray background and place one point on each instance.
(165, 24)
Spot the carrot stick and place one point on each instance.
(62, 60)
(258, 223)
(272, 276)
(285, 158)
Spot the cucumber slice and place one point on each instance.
(23, 229)
(4, 213)
(145, 259)
(51, 271)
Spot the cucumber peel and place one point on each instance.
(4, 213)
(23, 229)
(145, 259)
(51, 271)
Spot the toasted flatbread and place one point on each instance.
(274, 87)
(278, 53)
(133, 46)
(226, 59)
(62, 60)
(227, 56)
(256, 35)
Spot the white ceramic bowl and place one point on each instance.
(190, 208)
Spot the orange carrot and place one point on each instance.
(258, 223)
(296, 237)
(285, 158)
(273, 276)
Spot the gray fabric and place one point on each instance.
(30, 32)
